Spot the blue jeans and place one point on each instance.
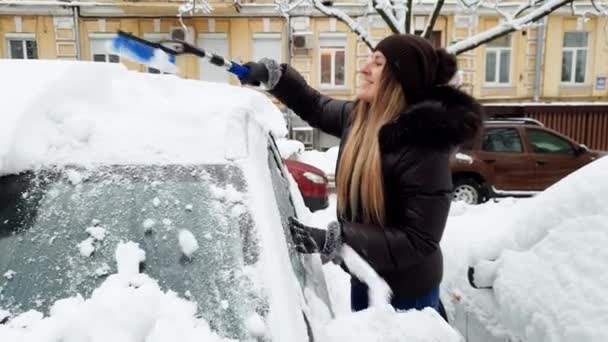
(359, 300)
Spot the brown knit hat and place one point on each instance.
(416, 64)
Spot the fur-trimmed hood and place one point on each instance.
(445, 118)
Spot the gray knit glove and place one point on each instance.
(314, 240)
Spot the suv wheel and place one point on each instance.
(467, 190)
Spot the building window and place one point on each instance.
(22, 46)
(305, 135)
(267, 45)
(214, 43)
(332, 60)
(100, 48)
(574, 60)
(434, 39)
(498, 61)
(155, 37)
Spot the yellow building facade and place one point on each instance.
(572, 65)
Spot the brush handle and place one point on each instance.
(239, 70)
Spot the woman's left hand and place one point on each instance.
(307, 239)
(314, 240)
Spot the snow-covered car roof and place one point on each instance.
(59, 112)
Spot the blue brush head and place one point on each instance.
(142, 53)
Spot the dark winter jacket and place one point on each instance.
(415, 151)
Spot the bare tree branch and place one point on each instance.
(428, 30)
(382, 7)
(524, 7)
(352, 24)
(507, 27)
(408, 17)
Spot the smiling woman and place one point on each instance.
(393, 178)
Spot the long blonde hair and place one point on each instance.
(360, 190)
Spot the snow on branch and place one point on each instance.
(342, 16)
(507, 27)
(384, 9)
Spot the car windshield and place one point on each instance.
(49, 252)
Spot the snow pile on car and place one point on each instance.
(128, 306)
(545, 258)
(59, 112)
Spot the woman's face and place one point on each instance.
(371, 71)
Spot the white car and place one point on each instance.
(538, 264)
(93, 156)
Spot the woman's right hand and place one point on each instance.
(258, 73)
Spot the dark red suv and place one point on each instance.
(515, 157)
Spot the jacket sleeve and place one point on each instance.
(320, 111)
(422, 207)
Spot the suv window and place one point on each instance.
(546, 142)
(502, 140)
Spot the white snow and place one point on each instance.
(9, 274)
(4, 315)
(255, 326)
(102, 270)
(289, 148)
(379, 291)
(116, 311)
(156, 201)
(148, 224)
(60, 112)
(325, 161)
(86, 247)
(128, 257)
(384, 324)
(187, 242)
(189, 207)
(167, 222)
(464, 157)
(545, 257)
(97, 233)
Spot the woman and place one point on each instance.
(392, 176)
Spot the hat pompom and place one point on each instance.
(446, 66)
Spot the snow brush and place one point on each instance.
(161, 55)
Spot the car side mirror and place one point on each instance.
(581, 149)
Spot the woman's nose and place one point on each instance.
(365, 69)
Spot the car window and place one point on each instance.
(546, 142)
(44, 218)
(301, 263)
(502, 140)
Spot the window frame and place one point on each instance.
(575, 55)
(514, 129)
(101, 37)
(156, 37)
(559, 137)
(24, 38)
(498, 63)
(333, 42)
(222, 36)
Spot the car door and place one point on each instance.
(502, 149)
(554, 156)
(307, 268)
